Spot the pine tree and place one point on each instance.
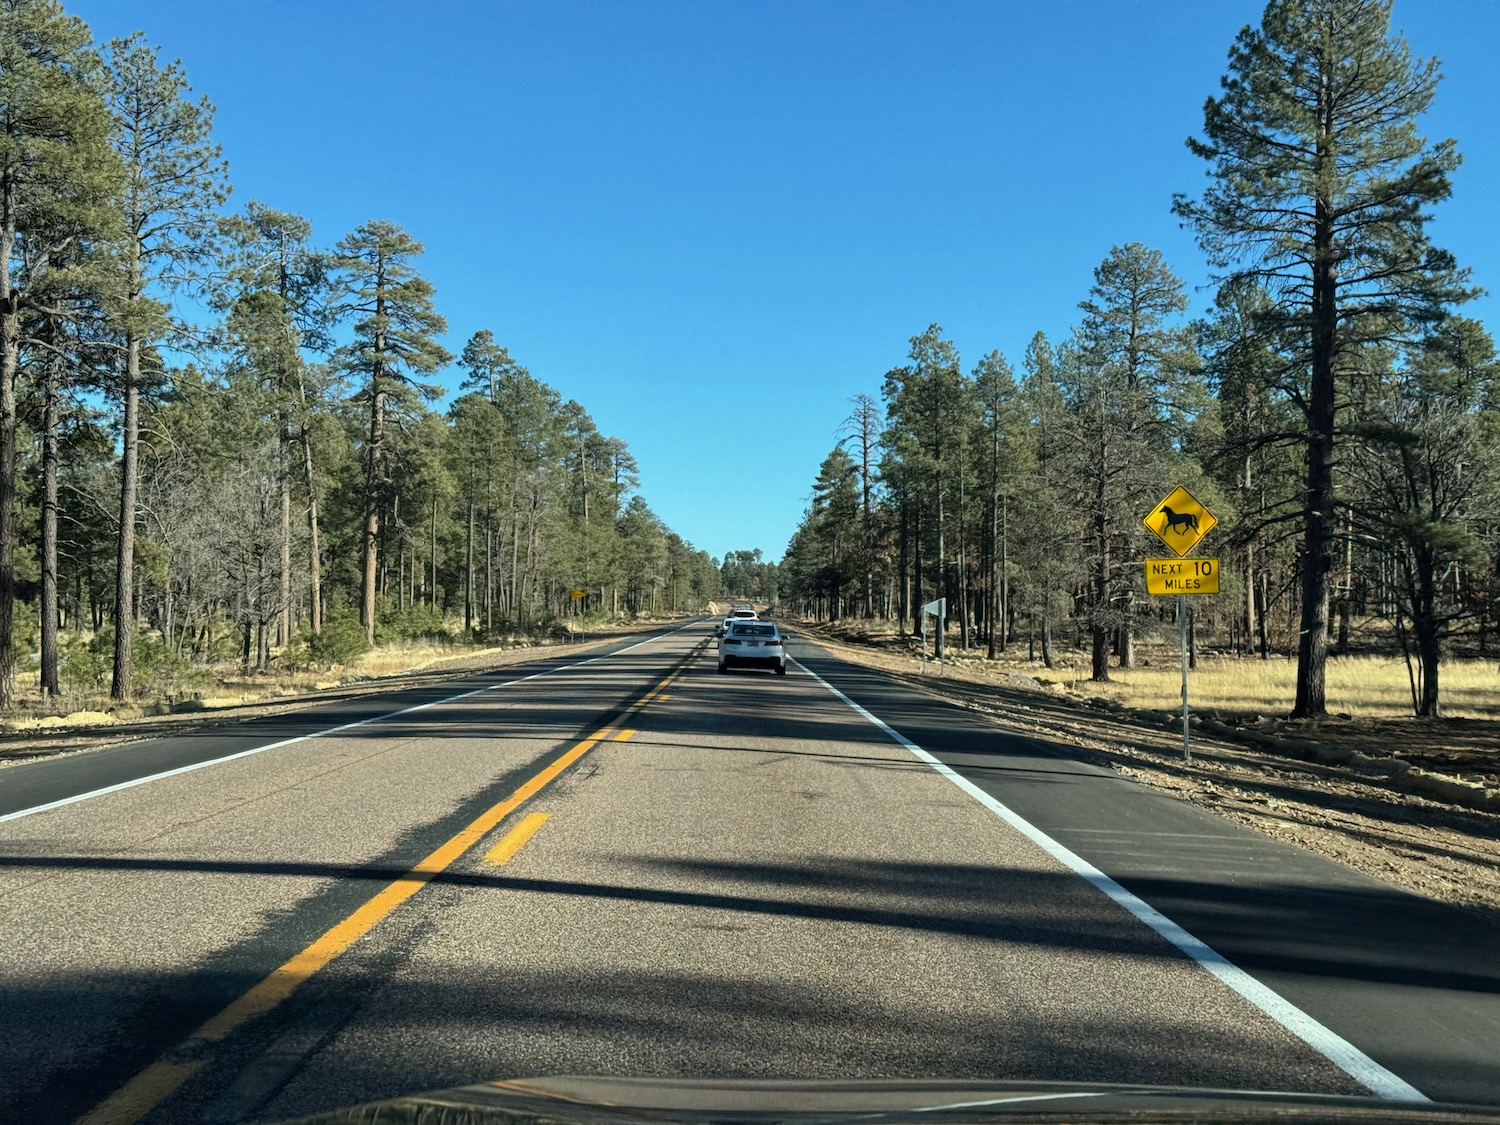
(57, 177)
(277, 277)
(1048, 526)
(862, 430)
(834, 518)
(1320, 188)
(1128, 389)
(394, 328)
(925, 405)
(174, 181)
(995, 383)
(1425, 474)
(1257, 451)
(485, 364)
(475, 454)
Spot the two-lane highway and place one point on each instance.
(632, 865)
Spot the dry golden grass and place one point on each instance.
(392, 660)
(1365, 687)
(1361, 686)
(231, 686)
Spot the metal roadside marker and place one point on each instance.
(577, 595)
(1180, 521)
(938, 609)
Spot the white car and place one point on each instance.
(753, 643)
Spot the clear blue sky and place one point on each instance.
(695, 215)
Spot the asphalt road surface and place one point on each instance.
(628, 864)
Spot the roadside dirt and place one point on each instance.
(1442, 851)
(34, 744)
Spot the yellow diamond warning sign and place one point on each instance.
(1182, 576)
(1180, 521)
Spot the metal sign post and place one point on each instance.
(1187, 754)
(938, 609)
(577, 595)
(1180, 521)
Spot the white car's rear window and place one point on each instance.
(741, 630)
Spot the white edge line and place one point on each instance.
(1023, 1098)
(1338, 1050)
(118, 787)
(1127, 1092)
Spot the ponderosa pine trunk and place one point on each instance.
(314, 561)
(1427, 627)
(917, 593)
(120, 685)
(942, 569)
(1318, 510)
(372, 511)
(903, 588)
(51, 420)
(1007, 611)
(1099, 625)
(469, 572)
(10, 362)
(284, 484)
(992, 604)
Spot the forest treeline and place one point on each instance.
(1332, 407)
(220, 438)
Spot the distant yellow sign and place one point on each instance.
(1180, 521)
(1182, 576)
(576, 594)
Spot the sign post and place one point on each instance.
(1180, 522)
(576, 595)
(938, 609)
(1187, 754)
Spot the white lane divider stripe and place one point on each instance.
(122, 785)
(1338, 1050)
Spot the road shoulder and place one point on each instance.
(1441, 851)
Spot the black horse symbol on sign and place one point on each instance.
(1184, 522)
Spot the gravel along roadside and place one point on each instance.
(1439, 849)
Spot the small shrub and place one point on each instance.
(85, 665)
(160, 672)
(226, 644)
(417, 623)
(26, 631)
(342, 639)
(156, 671)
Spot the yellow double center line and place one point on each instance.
(162, 1078)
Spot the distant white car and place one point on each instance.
(752, 643)
(741, 614)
